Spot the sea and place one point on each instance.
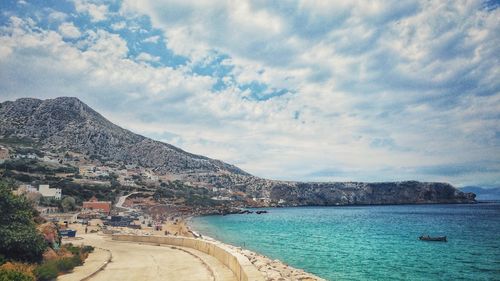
(371, 242)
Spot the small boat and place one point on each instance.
(438, 238)
(68, 232)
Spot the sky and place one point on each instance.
(291, 90)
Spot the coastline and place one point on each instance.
(272, 270)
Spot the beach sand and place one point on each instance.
(166, 262)
(138, 261)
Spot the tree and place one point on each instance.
(68, 204)
(19, 239)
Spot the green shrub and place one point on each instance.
(76, 260)
(19, 239)
(87, 249)
(2, 259)
(47, 271)
(11, 275)
(72, 249)
(65, 264)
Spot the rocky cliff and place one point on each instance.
(358, 193)
(68, 124)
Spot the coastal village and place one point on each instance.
(138, 209)
(103, 209)
(249, 140)
(136, 195)
(94, 171)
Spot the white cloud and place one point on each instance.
(69, 30)
(96, 12)
(119, 25)
(152, 39)
(57, 16)
(375, 90)
(147, 57)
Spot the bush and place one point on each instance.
(24, 268)
(19, 239)
(76, 260)
(72, 249)
(47, 271)
(87, 249)
(64, 264)
(11, 275)
(50, 269)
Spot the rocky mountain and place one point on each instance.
(358, 193)
(68, 124)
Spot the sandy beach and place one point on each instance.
(140, 261)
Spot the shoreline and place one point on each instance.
(272, 270)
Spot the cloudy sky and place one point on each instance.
(295, 90)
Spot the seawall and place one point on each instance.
(243, 269)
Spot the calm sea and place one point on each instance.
(371, 242)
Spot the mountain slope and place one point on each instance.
(69, 124)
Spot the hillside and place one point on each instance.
(67, 124)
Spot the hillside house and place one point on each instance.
(25, 156)
(48, 192)
(93, 204)
(25, 189)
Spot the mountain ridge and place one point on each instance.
(68, 123)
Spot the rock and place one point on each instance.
(50, 233)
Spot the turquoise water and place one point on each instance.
(372, 242)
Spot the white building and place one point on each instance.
(28, 188)
(25, 189)
(222, 198)
(46, 191)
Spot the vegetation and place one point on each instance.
(194, 196)
(50, 269)
(19, 239)
(18, 141)
(13, 275)
(46, 272)
(83, 192)
(68, 204)
(35, 166)
(17, 271)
